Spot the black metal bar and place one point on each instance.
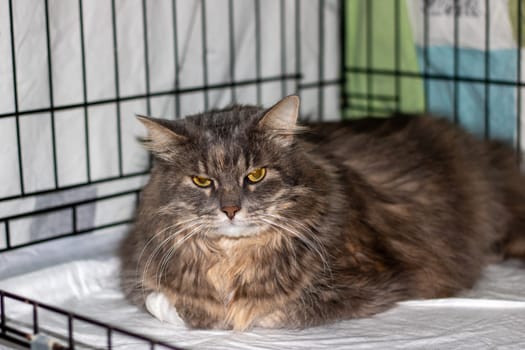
(518, 119)
(17, 337)
(258, 58)
(298, 69)
(146, 65)
(231, 20)
(70, 334)
(85, 319)
(176, 58)
(74, 218)
(317, 84)
(397, 52)
(151, 345)
(487, 70)
(108, 179)
(320, 91)
(84, 89)
(137, 197)
(15, 95)
(342, 46)
(425, 52)
(109, 336)
(282, 16)
(73, 207)
(369, 51)
(13, 340)
(69, 205)
(51, 98)
(268, 79)
(66, 235)
(117, 85)
(146, 54)
(17, 332)
(379, 97)
(368, 109)
(204, 55)
(35, 319)
(14, 336)
(456, 60)
(2, 313)
(411, 74)
(7, 235)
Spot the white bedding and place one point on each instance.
(490, 316)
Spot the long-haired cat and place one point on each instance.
(251, 220)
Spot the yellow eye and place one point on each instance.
(256, 175)
(201, 181)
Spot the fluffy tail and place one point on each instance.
(512, 182)
(514, 243)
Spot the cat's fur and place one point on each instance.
(351, 217)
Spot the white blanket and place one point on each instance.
(492, 315)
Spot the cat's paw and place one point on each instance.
(161, 308)
(272, 320)
(196, 318)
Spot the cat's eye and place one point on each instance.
(201, 181)
(256, 175)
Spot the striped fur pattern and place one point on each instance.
(350, 218)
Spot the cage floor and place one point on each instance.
(491, 315)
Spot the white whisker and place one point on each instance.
(164, 262)
(316, 248)
(156, 235)
(158, 249)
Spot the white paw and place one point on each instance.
(160, 307)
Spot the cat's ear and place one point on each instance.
(281, 120)
(162, 141)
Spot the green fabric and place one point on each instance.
(513, 14)
(411, 91)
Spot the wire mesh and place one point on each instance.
(46, 114)
(27, 207)
(11, 331)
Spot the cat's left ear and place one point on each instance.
(281, 120)
(162, 141)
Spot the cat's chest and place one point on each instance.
(236, 280)
(221, 280)
(239, 278)
(229, 269)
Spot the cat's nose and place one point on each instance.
(230, 211)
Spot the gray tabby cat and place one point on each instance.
(251, 220)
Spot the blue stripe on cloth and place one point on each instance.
(471, 96)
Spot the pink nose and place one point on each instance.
(230, 211)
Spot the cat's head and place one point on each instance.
(230, 172)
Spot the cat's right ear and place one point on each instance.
(280, 121)
(161, 141)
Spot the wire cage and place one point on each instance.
(73, 74)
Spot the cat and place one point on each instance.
(250, 220)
